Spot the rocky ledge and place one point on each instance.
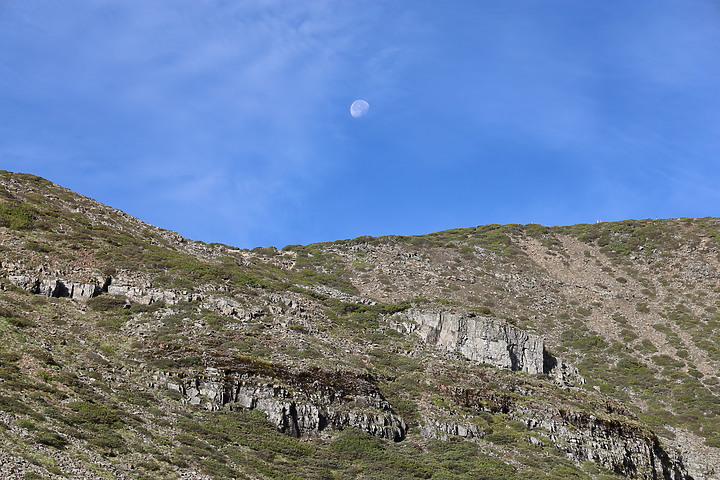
(609, 436)
(486, 340)
(298, 403)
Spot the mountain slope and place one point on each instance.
(492, 352)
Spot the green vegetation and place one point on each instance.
(497, 239)
(257, 449)
(103, 303)
(16, 216)
(625, 237)
(360, 315)
(637, 311)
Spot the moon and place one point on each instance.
(359, 108)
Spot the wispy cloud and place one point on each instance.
(229, 121)
(245, 97)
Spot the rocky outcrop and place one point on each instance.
(446, 428)
(486, 340)
(337, 294)
(609, 437)
(148, 295)
(480, 339)
(304, 405)
(54, 287)
(701, 459)
(134, 290)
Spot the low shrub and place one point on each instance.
(16, 216)
(104, 303)
(51, 439)
(353, 443)
(108, 441)
(93, 415)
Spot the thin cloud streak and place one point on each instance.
(258, 81)
(228, 121)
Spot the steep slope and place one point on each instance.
(490, 352)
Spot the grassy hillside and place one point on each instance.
(632, 304)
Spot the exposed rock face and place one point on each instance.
(480, 339)
(296, 409)
(147, 295)
(53, 287)
(132, 290)
(610, 438)
(701, 460)
(335, 293)
(486, 340)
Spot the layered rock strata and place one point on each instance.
(609, 437)
(486, 340)
(53, 287)
(299, 407)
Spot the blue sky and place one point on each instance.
(229, 121)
